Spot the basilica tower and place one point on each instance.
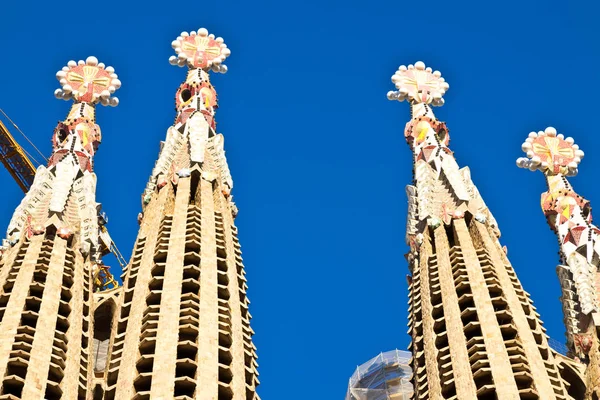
(570, 217)
(183, 328)
(475, 332)
(52, 251)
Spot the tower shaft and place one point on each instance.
(184, 324)
(569, 216)
(475, 332)
(183, 330)
(52, 246)
(44, 349)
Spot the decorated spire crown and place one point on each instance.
(551, 153)
(200, 50)
(418, 84)
(88, 82)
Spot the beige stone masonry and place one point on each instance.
(167, 337)
(429, 336)
(207, 377)
(39, 361)
(130, 353)
(461, 368)
(183, 330)
(506, 387)
(7, 260)
(77, 325)
(539, 371)
(592, 373)
(238, 368)
(16, 303)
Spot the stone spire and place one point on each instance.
(443, 191)
(183, 329)
(196, 103)
(475, 332)
(54, 242)
(569, 216)
(63, 194)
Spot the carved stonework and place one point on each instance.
(63, 194)
(584, 342)
(568, 214)
(475, 333)
(193, 132)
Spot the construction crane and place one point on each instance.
(15, 160)
(18, 163)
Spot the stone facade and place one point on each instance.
(179, 328)
(45, 329)
(183, 328)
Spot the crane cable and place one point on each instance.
(26, 138)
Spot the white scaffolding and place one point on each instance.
(385, 377)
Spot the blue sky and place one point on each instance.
(317, 151)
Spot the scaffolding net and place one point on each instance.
(385, 377)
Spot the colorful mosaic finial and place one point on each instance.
(193, 137)
(569, 216)
(88, 82)
(442, 192)
(200, 50)
(551, 153)
(418, 84)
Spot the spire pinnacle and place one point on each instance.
(551, 153)
(63, 193)
(88, 82)
(418, 84)
(569, 216)
(200, 50)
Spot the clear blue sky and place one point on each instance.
(316, 150)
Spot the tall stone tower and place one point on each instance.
(183, 329)
(53, 246)
(569, 216)
(475, 332)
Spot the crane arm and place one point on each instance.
(15, 160)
